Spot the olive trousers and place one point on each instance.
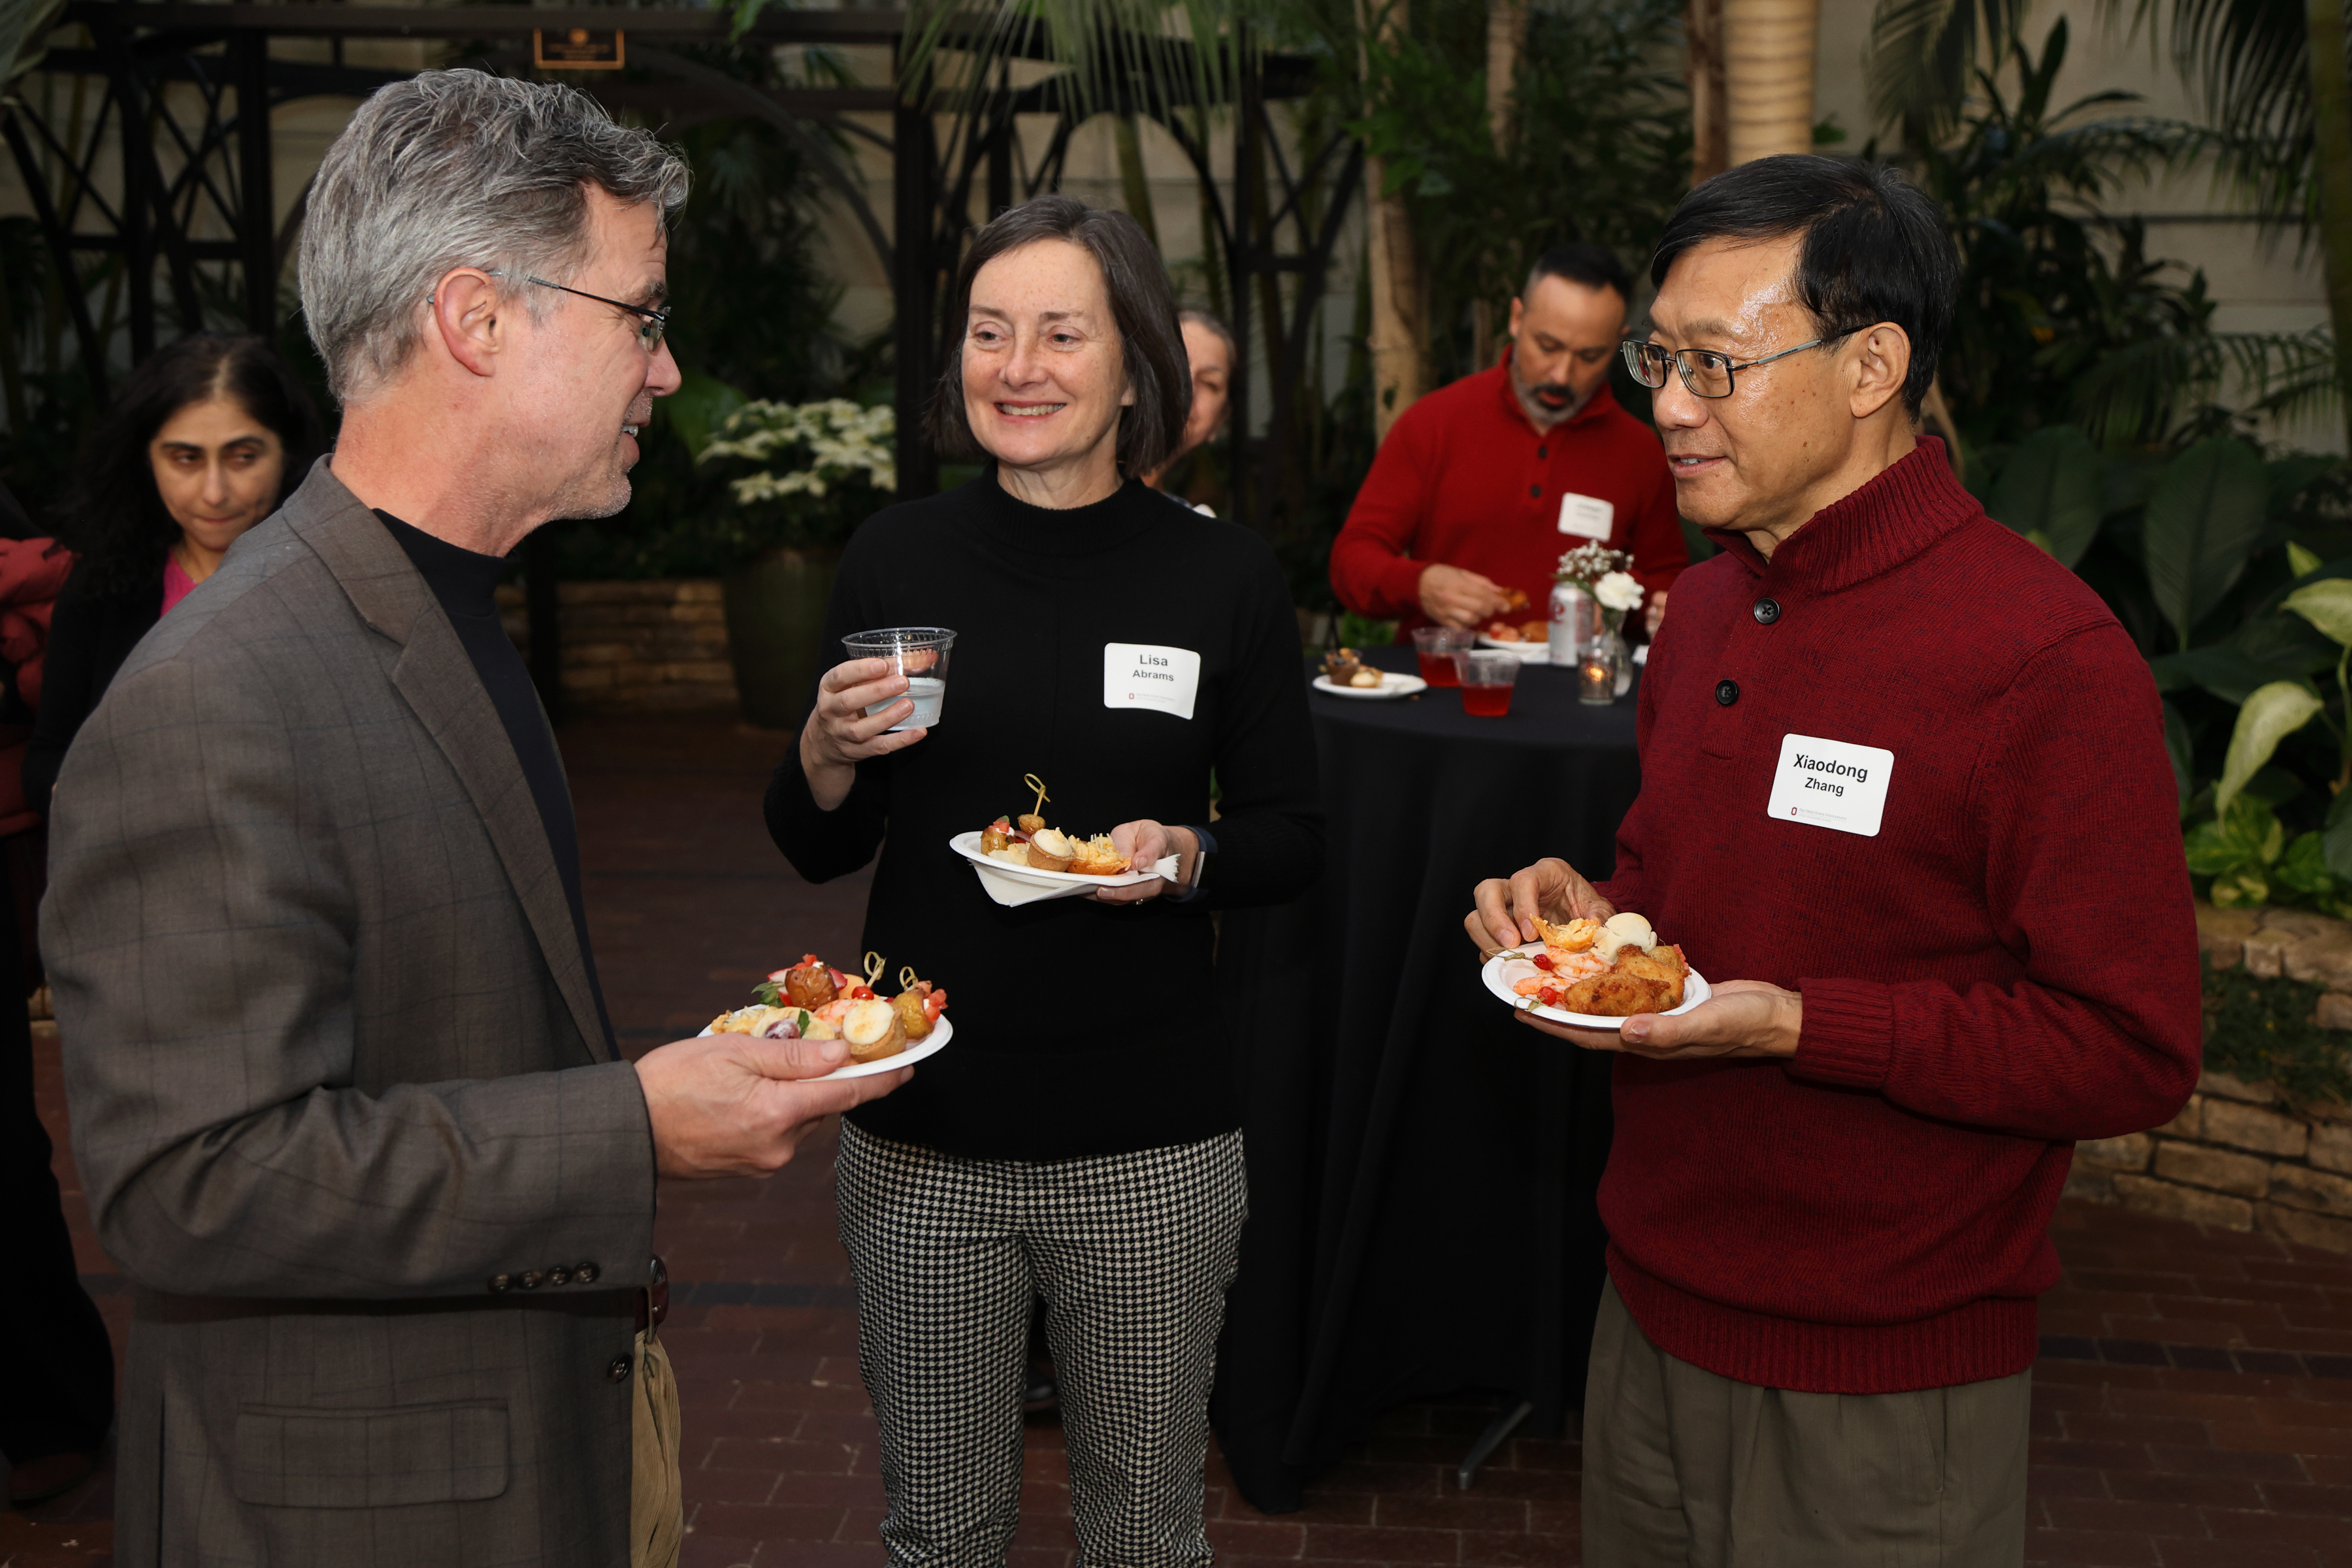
(1687, 1469)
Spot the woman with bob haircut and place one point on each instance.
(204, 440)
(1080, 1139)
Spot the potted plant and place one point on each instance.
(800, 479)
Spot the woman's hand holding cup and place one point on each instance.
(840, 733)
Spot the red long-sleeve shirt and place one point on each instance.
(1464, 479)
(2008, 965)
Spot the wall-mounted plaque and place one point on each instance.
(577, 49)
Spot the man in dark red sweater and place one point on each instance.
(1906, 801)
(1483, 486)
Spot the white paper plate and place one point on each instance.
(1694, 991)
(1392, 685)
(931, 1044)
(968, 845)
(1529, 652)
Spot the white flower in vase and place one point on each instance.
(1618, 591)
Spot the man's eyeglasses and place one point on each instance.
(1706, 372)
(655, 322)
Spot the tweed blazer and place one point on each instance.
(339, 1089)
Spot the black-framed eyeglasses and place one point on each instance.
(1705, 371)
(656, 323)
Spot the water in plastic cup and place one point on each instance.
(918, 653)
(927, 695)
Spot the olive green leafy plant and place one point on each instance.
(2244, 849)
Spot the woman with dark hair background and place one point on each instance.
(204, 440)
(1080, 1139)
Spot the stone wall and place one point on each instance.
(638, 648)
(2240, 1156)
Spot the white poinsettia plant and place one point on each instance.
(807, 449)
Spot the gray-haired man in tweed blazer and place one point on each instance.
(348, 1109)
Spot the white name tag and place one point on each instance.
(1588, 517)
(1140, 674)
(1831, 783)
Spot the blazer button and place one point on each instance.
(558, 1275)
(501, 1282)
(1767, 611)
(1726, 692)
(584, 1275)
(619, 1371)
(529, 1278)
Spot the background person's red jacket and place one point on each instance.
(1465, 479)
(31, 572)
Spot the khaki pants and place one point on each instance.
(1687, 1469)
(656, 1498)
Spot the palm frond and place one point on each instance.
(1923, 54)
(2138, 391)
(2249, 64)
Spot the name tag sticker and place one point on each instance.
(1832, 784)
(1141, 675)
(1588, 517)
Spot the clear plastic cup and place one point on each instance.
(1488, 677)
(918, 653)
(1439, 651)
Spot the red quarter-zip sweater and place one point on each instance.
(2008, 966)
(1464, 479)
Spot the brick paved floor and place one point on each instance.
(2193, 1404)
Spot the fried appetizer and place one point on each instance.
(1574, 937)
(809, 984)
(873, 1029)
(1096, 857)
(996, 837)
(1050, 850)
(1340, 665)
(1031, 824)
(1638, 982)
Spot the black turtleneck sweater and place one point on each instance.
(1080, 1028)
(466, 586)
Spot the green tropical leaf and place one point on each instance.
(2179, 746)
(2304, 868)
(699, 407)
(2271, 714)
(2336, 838)
(2326, 605)
(2301, 562)
(2051, 484)
(2204, 518)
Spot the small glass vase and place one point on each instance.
(1605, 669)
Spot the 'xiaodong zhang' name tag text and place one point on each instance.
(1831, 783)
(1140, 674)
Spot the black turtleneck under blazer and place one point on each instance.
(1080, 1028)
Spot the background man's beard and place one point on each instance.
(1531, 397)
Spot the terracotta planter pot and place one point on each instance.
(775, 632)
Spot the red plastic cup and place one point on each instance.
(1486, 682)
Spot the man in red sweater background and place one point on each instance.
(1481, 486)
(1904, 798)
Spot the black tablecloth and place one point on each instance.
(1421, 1169)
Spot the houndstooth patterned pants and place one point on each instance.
(1132, 1253)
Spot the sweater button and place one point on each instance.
(1543, 451)
(1726, 692)
(1534, 489)
(1767, 611)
